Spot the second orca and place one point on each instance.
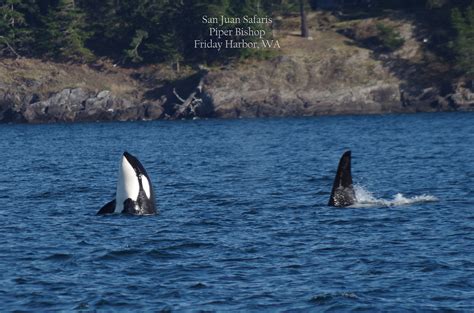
(342, 193)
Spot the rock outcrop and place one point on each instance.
(282, 87)
(463, 97)
(292, 86)
(74, 105)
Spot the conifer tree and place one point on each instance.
(15, 35)
(137, 40)
(65, 35)
(464, 42)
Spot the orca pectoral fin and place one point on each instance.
(108, 208)
(129, 206)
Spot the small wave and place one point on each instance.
(199, 286)
(326, 297)
(20, 280)
(59, 257)
(111, 255)
(365, 198)
(190, 245)
(161, 254)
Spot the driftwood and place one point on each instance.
(188, 106)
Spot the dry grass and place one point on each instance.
(45, 77)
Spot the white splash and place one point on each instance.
(365, 198)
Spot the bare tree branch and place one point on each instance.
(177, 96)
(10, 47)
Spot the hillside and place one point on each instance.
(339, 71)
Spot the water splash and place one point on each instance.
(365, 198)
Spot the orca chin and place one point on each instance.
(342, 193)
(134, 193)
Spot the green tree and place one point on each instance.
(169, 42)
(464, 42)
(65, 33)
(126, 30)
(137, 40)
(15, 35)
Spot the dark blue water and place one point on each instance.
(244, 224)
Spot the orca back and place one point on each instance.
(342, 193)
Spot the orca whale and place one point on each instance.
(134, 193)
(342, 193)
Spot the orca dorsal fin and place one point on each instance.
(342, 193)
(108, 208)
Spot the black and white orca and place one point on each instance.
(134, 191)
(342, 193)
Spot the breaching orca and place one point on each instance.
(134, 191)
(342, 193)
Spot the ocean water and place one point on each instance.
(243, 223)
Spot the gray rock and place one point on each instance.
(290, 86)
(71, 105)
(463, 98)
(103, 94)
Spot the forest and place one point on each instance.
(153, 31)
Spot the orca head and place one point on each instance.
(133, 162)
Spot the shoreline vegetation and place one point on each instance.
(67, 61)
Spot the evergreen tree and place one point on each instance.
(64, 33)
(464, 42)
(168, 42)
(15, 35)
(137, 40)
(107, 24)
(126, 30)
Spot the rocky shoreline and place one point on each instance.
(267, 92)
(79, 105)
(378, 93)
